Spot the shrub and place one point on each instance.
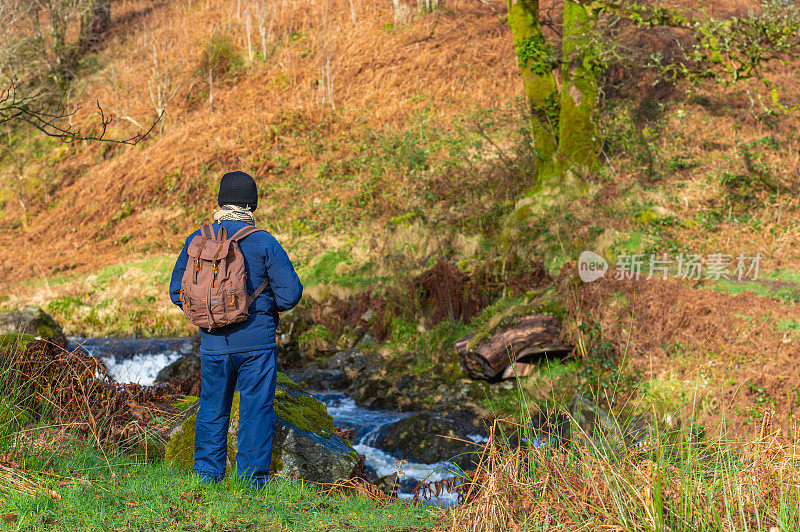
(221, 56)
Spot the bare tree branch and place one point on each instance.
(56, 122)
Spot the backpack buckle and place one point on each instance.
(197, 267)
(216, 271)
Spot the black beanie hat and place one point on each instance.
(238, 188)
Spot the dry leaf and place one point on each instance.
(132, 504)
(54, 495)
(9, 518)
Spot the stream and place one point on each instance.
(139, 361)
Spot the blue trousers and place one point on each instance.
(255, 373)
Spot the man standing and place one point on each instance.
(243, 353)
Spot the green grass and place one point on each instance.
(117, 493)
(783, 290)
(338, 267)
(128, 299)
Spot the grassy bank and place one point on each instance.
(75, 487)
(78, 454)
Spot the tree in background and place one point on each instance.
(561, 76)
(38, 61)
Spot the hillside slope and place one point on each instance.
(382, 144)
(270, 116)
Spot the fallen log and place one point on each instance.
(532, 335)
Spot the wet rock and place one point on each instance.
(389, 484)
(375, 393)
(186, 367)
(408, 485)
(591, 424)
(374, 389)
(431, 437)
(30, 320)
(305, 444)
(370, 474)
(312, 377)
(351, 361)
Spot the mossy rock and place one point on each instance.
(31, 320)
(304, 445)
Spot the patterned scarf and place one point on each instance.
(235, 213)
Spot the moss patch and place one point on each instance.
(185, 402)
(512, 315)
(304, 412)
(286, 382)
(179, 450)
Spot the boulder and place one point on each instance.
(352, 361)
(30, 320)
(186, 367)
(291, 326)
(305, 444)
(312, 377)
(408, 393)
(591, 426)
(432, 437)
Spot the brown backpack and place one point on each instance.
(213, 290)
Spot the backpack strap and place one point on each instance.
(223, 233)
(207, 231)
(239, 235)
(244, 232)
(252, 297)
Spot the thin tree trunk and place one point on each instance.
(578, 138)
(536, 61)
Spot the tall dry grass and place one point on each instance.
(691, 484)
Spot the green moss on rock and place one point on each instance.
(185, 402)
(179, 450)
(304, 412)
(286, 382)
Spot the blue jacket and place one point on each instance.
(263, 257)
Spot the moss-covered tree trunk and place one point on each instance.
(564, 123)
(537, 63)
(578, 137)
